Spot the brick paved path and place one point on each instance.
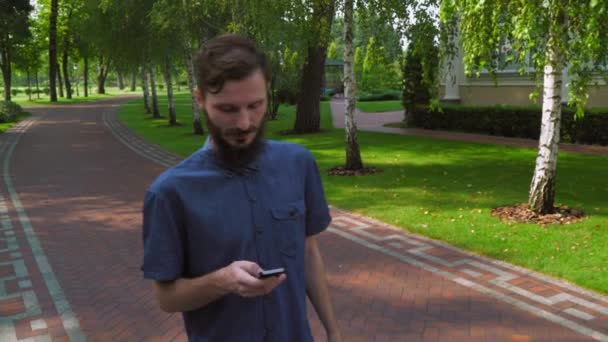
(70, 248)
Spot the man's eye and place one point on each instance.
(254, 106)
(228, 109)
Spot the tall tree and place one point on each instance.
(167, 70)
(28, 57)
(53, 50)
(145, 89)
(308, 111)
(86, 75)
(547, 35)
(155, 110)
(59, 81)
(14, 30)
(353, 155)
(421, 64)
(103, 68)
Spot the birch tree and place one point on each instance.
(353, 155)
(549, 36)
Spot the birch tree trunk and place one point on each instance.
(59, 80)
(197, 126)
(155, 111)
(169, 83)
(134, 81)
(146, 89)
(353, 155)
(121, 81)
(66, 71)
(37, 85)
(542, 188)
(102, 74)
(86, 76)
(29, 85)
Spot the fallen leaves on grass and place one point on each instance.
(521, 213)
(342, 171)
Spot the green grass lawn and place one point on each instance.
(446, 190)
(379, 106)
(5, 126)
(23, 100)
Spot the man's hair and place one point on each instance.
(229, 57)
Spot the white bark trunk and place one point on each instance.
(353, 155)
(196, 114)
(170, 101)
(542, 188)
(144, 86)
(155, 111)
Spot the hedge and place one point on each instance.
(385, 95)
(9, 111)
(511, 121)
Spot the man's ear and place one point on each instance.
(200, 100)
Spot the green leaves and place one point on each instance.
(578, 31)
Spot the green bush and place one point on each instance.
(9, 111)
(329, 92)
(383, 95)
(15, 91)
(512, 121)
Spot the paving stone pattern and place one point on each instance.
(70, 246)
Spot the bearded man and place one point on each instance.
(239, 205)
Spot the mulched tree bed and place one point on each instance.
(342, 171)
(522, 214)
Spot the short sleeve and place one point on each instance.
(162, 238)
(317, 211)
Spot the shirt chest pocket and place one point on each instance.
(289, 226)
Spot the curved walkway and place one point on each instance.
(374, 122)
(70, 249)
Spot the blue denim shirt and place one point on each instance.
(199, 217)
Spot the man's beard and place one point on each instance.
(235, 158)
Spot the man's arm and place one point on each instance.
(240, 278)
(316, 288)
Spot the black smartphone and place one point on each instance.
(275, 272)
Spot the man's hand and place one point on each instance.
(242, 279)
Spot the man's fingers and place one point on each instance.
(250, 267)
(252, 287)
(272, 282)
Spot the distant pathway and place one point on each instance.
(73, 179)
(374, 122)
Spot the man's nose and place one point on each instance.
(244, 120)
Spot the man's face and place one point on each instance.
(235, 116)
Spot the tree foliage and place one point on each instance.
(14, 31)
(520, 30)
(421, 64)
(547, 36)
